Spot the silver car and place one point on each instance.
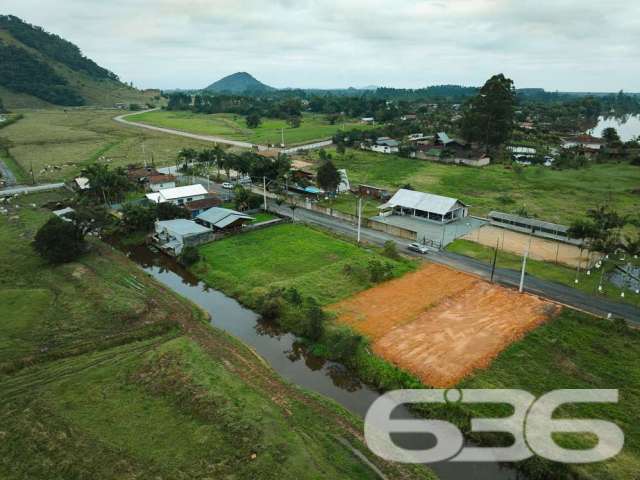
(418, 247)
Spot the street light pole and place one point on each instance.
(359, 216)
(524, 266)
(264, 192)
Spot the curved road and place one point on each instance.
(171, 131)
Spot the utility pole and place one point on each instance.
(282, 133)
(264, 192)
(524, 266)
(495, 258)
(359, 216)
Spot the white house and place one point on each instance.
(179, 195)
(584, 141)
(425, 206)
(385, 145)
(161, 182)
(173, 235)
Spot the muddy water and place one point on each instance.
(291, 361)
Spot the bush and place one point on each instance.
(390, 250)
(315, 317)
(189, 256)
(378, 271)
(342, 343)
(58, 241)
(271, 305)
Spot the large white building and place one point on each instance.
(425, 206)
(179, 195)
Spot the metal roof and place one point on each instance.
(181, 226)
(444, 138)
(221, 217)
(533, 222)
(426, 202)
(182, 192)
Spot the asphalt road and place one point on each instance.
(171, 131)
(553, 291)
(16, 190)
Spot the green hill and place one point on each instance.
(40, 69)
(240, 82)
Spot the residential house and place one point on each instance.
(373, 192)
(172, 236)
(223, 219)
(368, 120)
(385, 145)
(196, 207)
(161, 181)
(408, 117)
(586, 142)
(415, 137)
(179, 195)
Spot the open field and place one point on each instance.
(588, 280)
(105, 374)
(440, 324)
(555, 195)
(287, 256)
(233, 127)
(575, 350)
(539, 248)
(59, 143)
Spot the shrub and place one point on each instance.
(379, 271)
(342, 343)
(58, 241)
(390, 250)
(271, 305)
(189, 256)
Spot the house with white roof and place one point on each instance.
(424, 206)
(179, 195)
(385, 145)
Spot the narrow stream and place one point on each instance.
(288, 358)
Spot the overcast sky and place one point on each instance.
(578, 45)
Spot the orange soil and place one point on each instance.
(440, 324)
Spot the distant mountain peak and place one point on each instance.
(239, 82)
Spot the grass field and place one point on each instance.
(59, 143)
(313, 127)
(548, 271)
(554, 195)
(288, 256)
(578, 351)
(105, 374)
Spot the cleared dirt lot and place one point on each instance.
(515, 242)
(440, 324)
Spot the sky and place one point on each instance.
(567, 45)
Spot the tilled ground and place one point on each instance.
(440, 324)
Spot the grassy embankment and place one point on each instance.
(286, 256)
(571, 351)
(106, 374)
(60, 143)
(554, 195)
(549, 271)
(313, 126)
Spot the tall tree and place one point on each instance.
(328, 176)
(610, 136)
(2, 109)
(488, 117)
(253, 120)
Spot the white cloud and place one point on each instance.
(559, 44)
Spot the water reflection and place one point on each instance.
(291, 359)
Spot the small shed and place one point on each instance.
(223, 219)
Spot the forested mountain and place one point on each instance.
(239, 83)
(42, 68)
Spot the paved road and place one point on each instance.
(211, 138)
(24, 189)
(171, 131)
(559, 293)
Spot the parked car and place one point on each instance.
(227, 185)
(418, 247)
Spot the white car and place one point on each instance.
(418, 247)
(227, 185)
